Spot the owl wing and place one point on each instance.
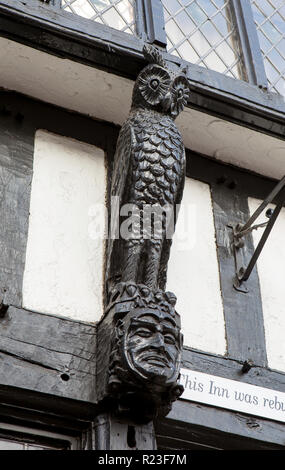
(122, 161)
(162, 274)
(181, 184)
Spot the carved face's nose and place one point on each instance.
(158, 341)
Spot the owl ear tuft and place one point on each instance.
(185, 69)
(153, 55)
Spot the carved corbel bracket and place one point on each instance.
(139, 338)
(139, 353)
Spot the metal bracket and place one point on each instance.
(237, 245)
(240, 231)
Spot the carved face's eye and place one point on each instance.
(180, 93)
(153, 83)
(144, 333)
(169, 339)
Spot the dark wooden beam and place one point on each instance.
(16, 161)
(67, 35)
(48, 354)
(230, 368)
(243, 311)
(192, 423)
(40, 352)
(59, 422)
(236, 180)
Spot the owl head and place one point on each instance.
(160, 88)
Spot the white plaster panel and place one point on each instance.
(271, 271)
(193, 273)
(103, 95)
(64, 261)
(64, 83)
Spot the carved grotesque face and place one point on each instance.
(152, 344)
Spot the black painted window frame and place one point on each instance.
(49, 28)
(148, 18)
(150, 26)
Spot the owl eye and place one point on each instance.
(180, 93)
(153, 83)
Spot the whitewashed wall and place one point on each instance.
(193, 273)
(64, 260)
(271, 271)
(65, 257)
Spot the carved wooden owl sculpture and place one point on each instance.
(149, 169)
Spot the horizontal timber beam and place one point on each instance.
(47, 367)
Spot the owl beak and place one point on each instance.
(166, 102)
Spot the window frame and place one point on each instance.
(148, 20)
(37, 437)
(249, 42)
(150, 26)
(242, 17)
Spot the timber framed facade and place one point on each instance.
(51, 58)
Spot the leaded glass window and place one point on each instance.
(118, 14)
(202, 32)
(269, 16)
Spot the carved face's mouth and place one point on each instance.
(155, 359)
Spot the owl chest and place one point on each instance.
(156, 167)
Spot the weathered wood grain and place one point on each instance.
(232, 369)
(47, 354)
(243, 312)
(16, 160)
(209, 426)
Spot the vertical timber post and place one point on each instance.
(113, 434)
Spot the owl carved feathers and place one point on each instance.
(149, 169)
